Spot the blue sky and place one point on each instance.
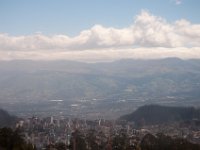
(24, 17)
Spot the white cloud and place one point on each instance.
(178, 2)
(148, 37)
(105, 54)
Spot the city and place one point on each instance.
(44, 133)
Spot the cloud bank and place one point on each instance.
(148, 37)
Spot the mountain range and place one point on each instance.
(43, 80)
(118, 86)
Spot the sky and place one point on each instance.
(99, 30)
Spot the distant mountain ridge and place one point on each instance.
(43, 80)
(156, 114)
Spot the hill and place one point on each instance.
(155, 114)
(6, 119)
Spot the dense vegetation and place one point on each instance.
(163, 142)
(155, 114)
(13, 140)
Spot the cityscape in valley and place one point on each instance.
(174, 128)
(122, 106)
(99, 75)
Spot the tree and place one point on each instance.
(12, 140)
(120, 142)
(78, 141)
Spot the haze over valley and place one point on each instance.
(105, 89)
